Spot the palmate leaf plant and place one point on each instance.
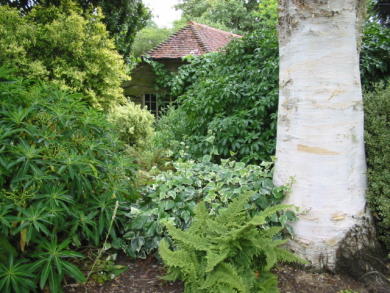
(231, 251)
(15, 277)
(62, 169)
(52, 265)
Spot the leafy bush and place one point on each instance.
(377, 136)
(228, 252)
(224, 108)
(134, 124)
(62, 169)
(375, 53)
(233, 107)
(61, 45)
(123, 18)
(173, 195)
(170, 130)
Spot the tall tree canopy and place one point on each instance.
(123, 18)
(149, 37)
(228, 14)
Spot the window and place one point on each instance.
(151, 103)
(157, 104)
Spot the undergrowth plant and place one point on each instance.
(173, 194)
(62, 169)
(15, 276)
(231, 251)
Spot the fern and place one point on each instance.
(228, 252)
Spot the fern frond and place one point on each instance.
(228, 275)
(286, 256)
(221, 253)
(180, 258)
(271, 257)
(172, 275)
(271, 232)
(235, 214)
(261, 217)
(213, 259)
(267, 283)
(186, 238)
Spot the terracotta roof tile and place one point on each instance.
(193, 39)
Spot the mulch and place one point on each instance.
(143, 276)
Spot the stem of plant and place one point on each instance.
(104, 243)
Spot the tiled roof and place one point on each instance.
(193, 39)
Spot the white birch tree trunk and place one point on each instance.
(320, 141)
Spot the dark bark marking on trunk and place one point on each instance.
(361, 256)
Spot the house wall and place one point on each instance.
(143, 80)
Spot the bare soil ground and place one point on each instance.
(143, 276)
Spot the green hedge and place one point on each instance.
(377, 123)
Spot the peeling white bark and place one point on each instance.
(320, 124)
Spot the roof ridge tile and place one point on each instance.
(199, 38)
(192, 39)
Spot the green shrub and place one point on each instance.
(60, 45)
(228, 252)
(219, 101)
(173, 195)
(123, 18)
(377, 136)
(375, 52)
(170, 131)
(15, 276)
(62, 170)
(134, 124)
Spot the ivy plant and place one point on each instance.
(173, 195)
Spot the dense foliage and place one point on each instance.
(60, 45)
(173, 195)
(237, 16)
(375, 53)
(228, 252)
(377, 123)
(133, 123)
(225, 109)
(123, 18)
(62, 172)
